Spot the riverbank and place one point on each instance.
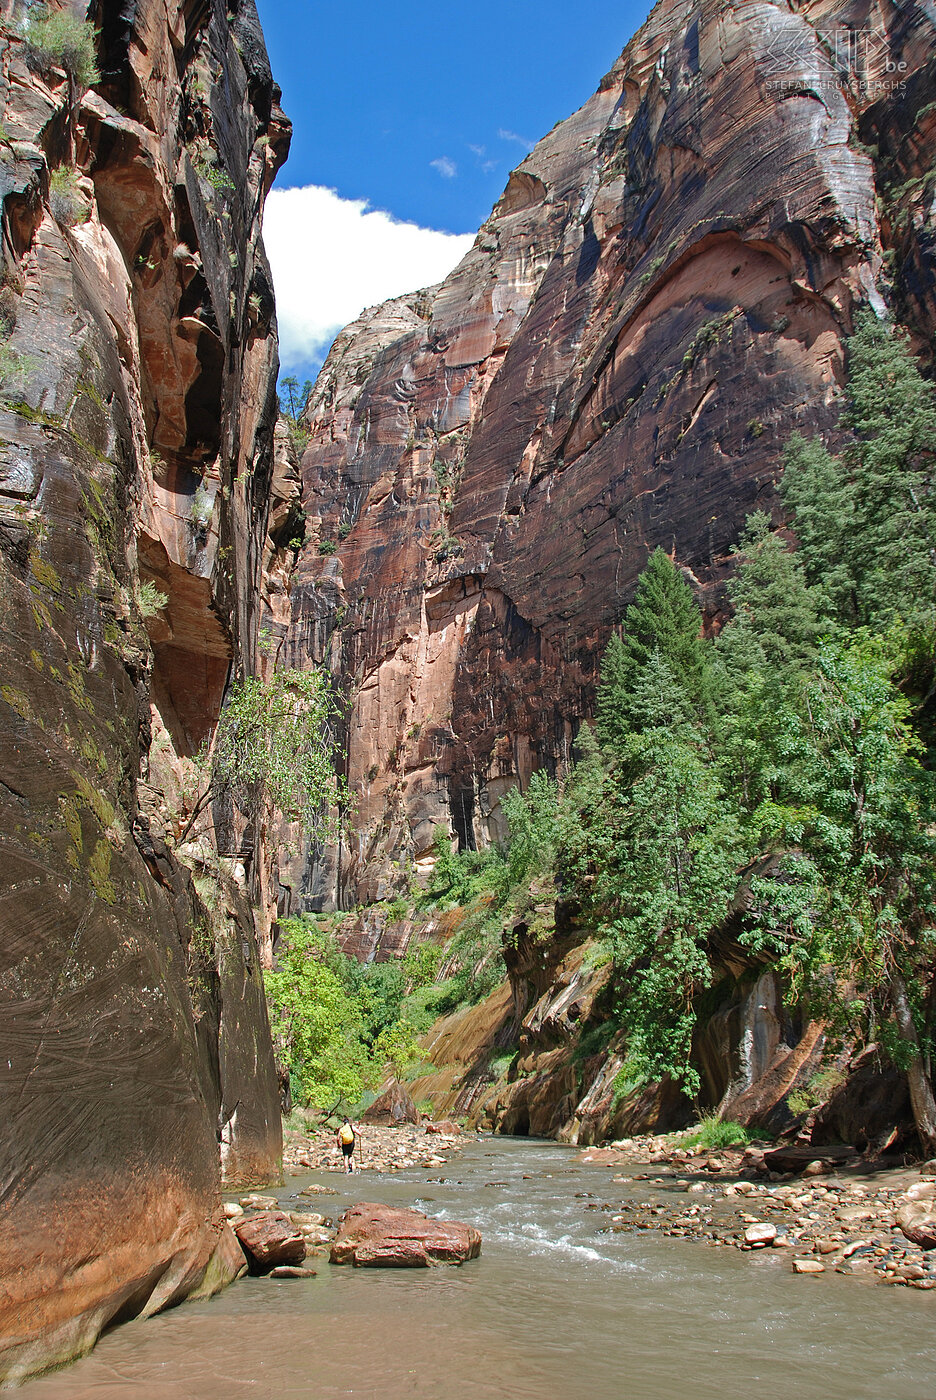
(831, 1216)
(377, 1149)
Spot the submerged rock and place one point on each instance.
(379, 1236)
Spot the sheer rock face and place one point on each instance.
(136, 446)
(657, 301)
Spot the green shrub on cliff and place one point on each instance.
(66, 201)
(275, 739)
(64, 40)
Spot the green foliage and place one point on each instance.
(315, 988)
(817, 1091)
(594, 1040)
(458, 877)
(799, 737)
(714, 1133)
(292, 400)
(64, 40)
(858, 811)
(208, 169)
(66, 201)
(421, 965)
(397, 1048)
(865, 519)
(532, 822)
(424, 1005)
(201, 509)
(500, 1064)
(151, 600)
(778, 621)
(317, 1027)
(379, 988)
(327, 547)
(667, 875)
(276, 737)
(628, 1078)
(663, 619)
(16, 370)
(474, 959)
(763, 657)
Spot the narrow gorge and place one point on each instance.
(452, 530)
(659, 300)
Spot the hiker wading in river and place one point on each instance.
(346, 1141)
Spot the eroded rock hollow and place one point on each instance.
(136, 474)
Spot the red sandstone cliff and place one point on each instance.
(136, 447)
(656, 302)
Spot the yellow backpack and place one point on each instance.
(345, 1134)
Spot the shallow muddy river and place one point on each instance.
(553, 1309)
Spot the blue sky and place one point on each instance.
(415, 111)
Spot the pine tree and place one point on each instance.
(859, 890)
(778, 618)
(865, 520)
(818, 494)
(668, 874)
(611, 702)
(892, 410)
(665, 617)
(763, 656)
(664, 620)
(658, 700)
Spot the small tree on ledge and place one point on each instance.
(275, 738)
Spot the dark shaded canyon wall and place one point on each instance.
(657, 301)
(135, 1042)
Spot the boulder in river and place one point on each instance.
(918, 1223)
(379, 1236)
(269, 1239)
(394, 1107)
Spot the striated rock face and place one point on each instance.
(657, 301)
(136, 448)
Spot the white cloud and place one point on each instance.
(332, 257)
(486, 166)
(520, 140)
(445, 167)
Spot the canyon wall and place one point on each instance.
(658, 300)
(137, 412)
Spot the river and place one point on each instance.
(554, 1309)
